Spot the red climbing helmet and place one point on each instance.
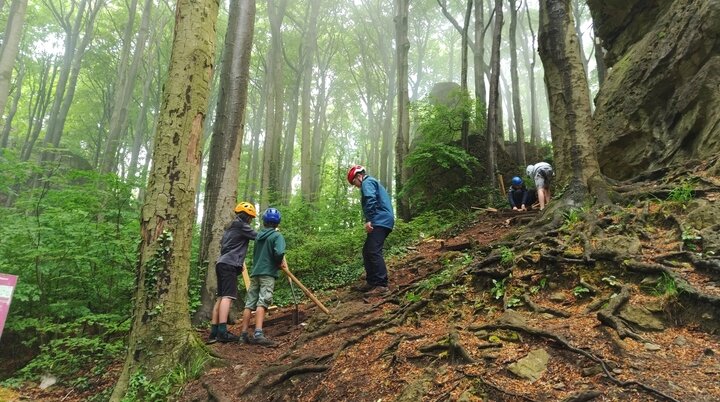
(354, 171)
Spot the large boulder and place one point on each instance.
(660, 102)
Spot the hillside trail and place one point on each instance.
(462, 324)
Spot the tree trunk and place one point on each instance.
(124, 91)
(479, 61)
(225, 146)
(515, 82)
(534, 117)
(13, 108)
(308, 52)
(274, 107)
(161, 338)
(493, 120)
(402, 139)
(10, 47)
(570, 118)
(465, 127)
(39, 108)
(70, 64)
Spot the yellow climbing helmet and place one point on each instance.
(246, 207)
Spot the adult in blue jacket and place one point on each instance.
(379, 222)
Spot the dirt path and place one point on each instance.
(435, 339)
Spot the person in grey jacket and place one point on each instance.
(379, 222)
(542, 173)
(233, 248)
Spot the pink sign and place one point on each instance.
(7, 285)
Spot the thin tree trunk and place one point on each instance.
(599, 59)
(515, 82)
(161, 338)
(274, 108)
(124, 90)
(72, 34)
(479, 62)
(534, 116)
(465, 127)
(4, 137)
(493, 120)
(39, 109)
(10, 47)
(402, 46)
(308, 52)
(225, 146)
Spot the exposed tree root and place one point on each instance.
(451, 345)
(298, 371)
(583, 396)
(557, 338)
(283, 368)
(214, 394)
(607, 315)
(686, 289)
(495, 387)
(540, 309)
(393, 346)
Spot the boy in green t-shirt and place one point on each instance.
(268, 257)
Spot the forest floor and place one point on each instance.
(604, 304)
(466, 315)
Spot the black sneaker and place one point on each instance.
(210, 340)
(244, 338)
(261, 339)
(378, 291)
(363, 288)
(227, 337)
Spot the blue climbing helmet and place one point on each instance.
(516, 181)
(271, 215)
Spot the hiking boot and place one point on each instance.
(211, 339)
(244, 338)
(261, 339)
(227, 337)
(378, 291)
(363, 288)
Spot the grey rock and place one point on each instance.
(512, 317)
(532, 366)
(557, 297)
(641, 318)
(680, 341)
(652, 346)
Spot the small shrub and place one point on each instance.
(682, 193)
(666, 286)
(498, 289)
(580, 291)
(507, 256)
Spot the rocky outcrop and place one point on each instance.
(660, 103)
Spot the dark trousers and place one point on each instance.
(375, 269)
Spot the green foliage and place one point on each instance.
(143, 388)
(540, 286)
(438, 122)
(440, 176)
(65, 357)
(572, 218)
(443, 172)
(498, 289)
(507, 256)
(666, 286)
(580, 291)
(514, 302)
(683, 193)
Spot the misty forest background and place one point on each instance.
(81, 91)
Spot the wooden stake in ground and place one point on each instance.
(502, 184)
(246, 277)
(305, 290)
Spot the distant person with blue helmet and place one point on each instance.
(542, 173)
(379, 222)
(520, 198)
(268, 257)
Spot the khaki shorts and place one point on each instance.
(260, 292)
